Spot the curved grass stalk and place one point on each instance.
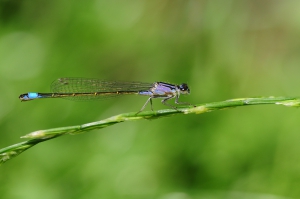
(36, 137)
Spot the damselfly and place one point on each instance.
(89, 88)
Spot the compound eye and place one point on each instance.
(183, 87)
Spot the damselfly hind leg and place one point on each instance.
(148, 100)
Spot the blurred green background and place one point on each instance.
(222, 49)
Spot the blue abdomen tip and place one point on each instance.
(33, 95)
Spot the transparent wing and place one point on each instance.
(93, 85)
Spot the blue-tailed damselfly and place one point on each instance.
(90, 88)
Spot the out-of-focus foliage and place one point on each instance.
(223, 50)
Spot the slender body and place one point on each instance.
(88, 89)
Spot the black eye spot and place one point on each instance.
(183, 87)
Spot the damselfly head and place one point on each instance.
(183, 88)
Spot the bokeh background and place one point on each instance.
(222, 49)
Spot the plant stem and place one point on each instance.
(36, 137)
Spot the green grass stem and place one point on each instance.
(36, 137)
